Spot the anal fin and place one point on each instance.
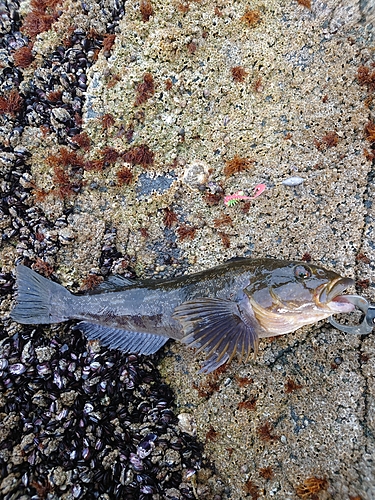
(116, 338)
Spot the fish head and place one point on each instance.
(287, 295)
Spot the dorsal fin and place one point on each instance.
(236, 258)
(113, 283)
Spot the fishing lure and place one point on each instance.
(233, 199)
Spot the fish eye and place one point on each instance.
(302, 272)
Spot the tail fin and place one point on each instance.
(39, 300)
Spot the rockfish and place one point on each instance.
(222, 311)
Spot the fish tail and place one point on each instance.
(39, 300)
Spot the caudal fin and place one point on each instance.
(39, 300)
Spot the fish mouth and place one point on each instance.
(330, 296)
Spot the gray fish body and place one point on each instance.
(222, 311)
(149, 306)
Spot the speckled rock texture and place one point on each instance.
(123, 127)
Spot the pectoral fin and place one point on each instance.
(219, 327)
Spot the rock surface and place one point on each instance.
(274, 84)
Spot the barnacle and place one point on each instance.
(196, 174)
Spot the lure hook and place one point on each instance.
(363, 328)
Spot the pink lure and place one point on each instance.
(233, 199)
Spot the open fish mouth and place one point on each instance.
(330, 296)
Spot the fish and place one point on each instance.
(222, 311)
